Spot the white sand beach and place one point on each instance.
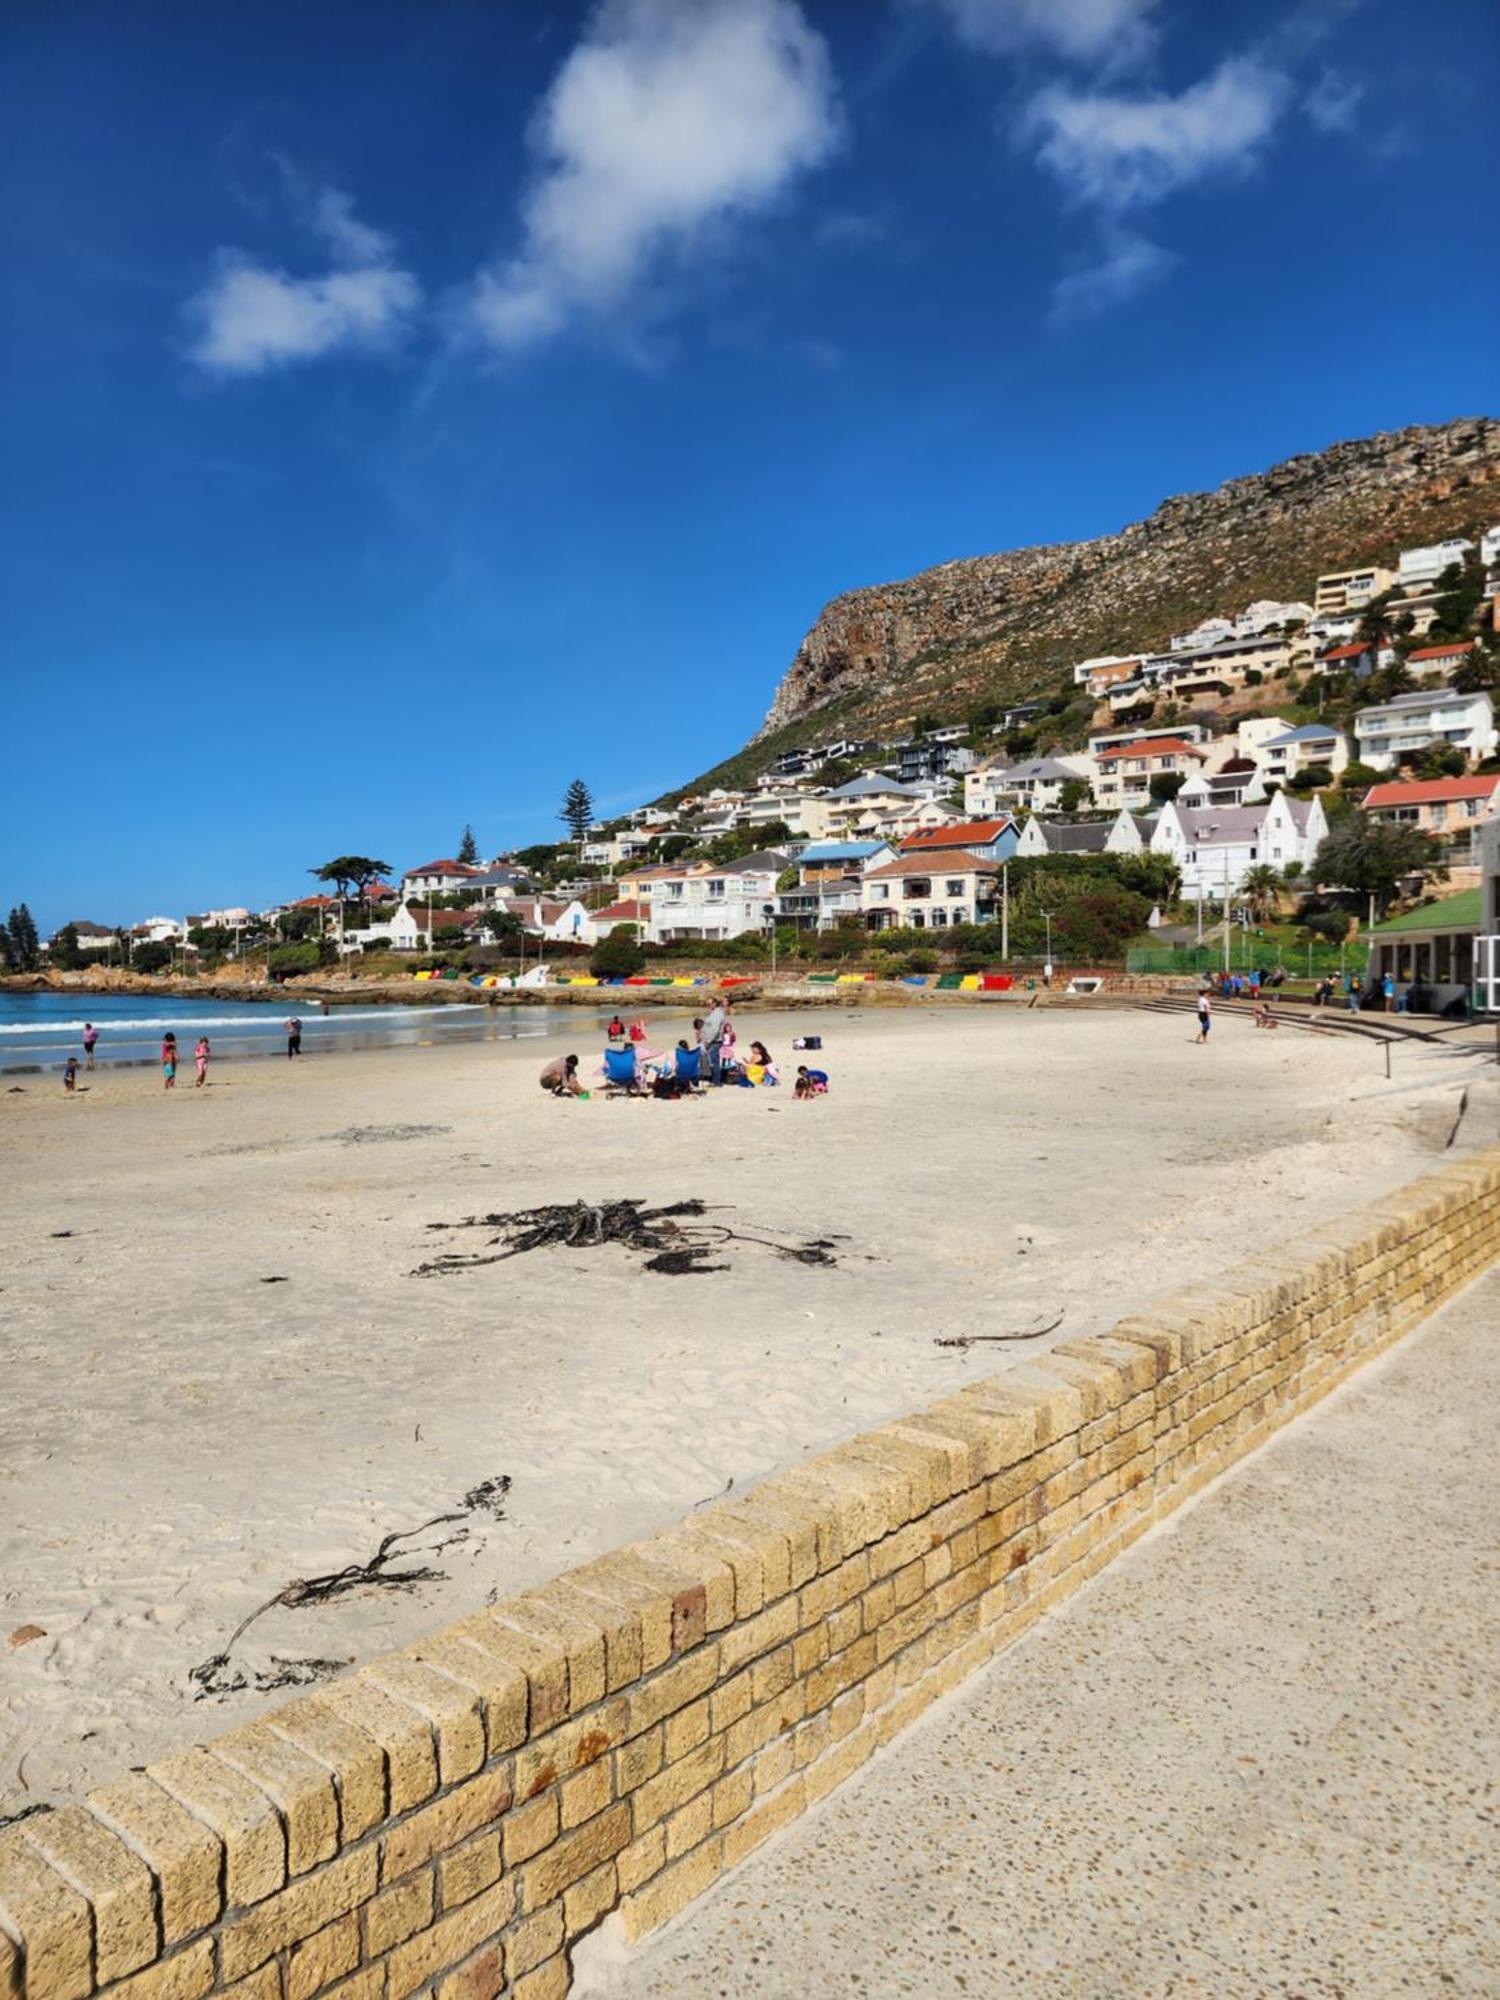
(180, 1438)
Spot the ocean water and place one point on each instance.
(38, 1031)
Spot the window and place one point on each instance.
(715, 891)
(953, 886)
(939, 919)
(882, 891)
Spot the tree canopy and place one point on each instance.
(577, 809)
(1372, 856)
(351, 874)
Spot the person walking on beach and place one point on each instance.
(90, 1043)
(169, 1060)
(293, 1038)
(711, 1040)
(1205, 1016)
(70, 1075)
(201, 1055)
(1354, 996)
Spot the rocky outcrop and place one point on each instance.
(1001, 626)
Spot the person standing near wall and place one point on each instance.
(1205, 1016)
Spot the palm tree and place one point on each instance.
(1261, 889)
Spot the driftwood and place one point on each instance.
(973, 1339)
(217, 1675)
(674, 1238)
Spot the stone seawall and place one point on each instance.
(450, 1819)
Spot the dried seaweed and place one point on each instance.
(973, 1339)
(674, 1239)
(219, 1675)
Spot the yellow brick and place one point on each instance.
(542, 1616)
(48, 1918)
(411, 1757)
(773, 1766)
(686, 1730)
(573, 1856)
(548, 1982)
(686, 1828)
(587, 1792)
(481, 1977)
(528, 1829)
(587, 1901)
(181, 1852)
(839, 1763)
(732, 1795)
(445, 1823)
(501, 1690)
(452, 1711)
(115, 1881)
(368, 1984)
(297, 1912)
(544, 1663)
(298, 1785)
(532, 1942)
(673, 1889)
(762, 1513)
(354, 1758)
(186, 1975)
(239, 1813)
(619, 1625)
(470, 1869)
(636, 1762)
(674, 1687)
(728, 1703)
(671, 1603)
(399, 1913)
(675, 1784)
(323, 1958)
(264, 1984)
(548, 1759)
(639, 1862)
(769, 1817)
(450, 1941)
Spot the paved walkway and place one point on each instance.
(1258, 1757)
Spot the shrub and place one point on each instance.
(288, 960)
(920, 961)
(150, 957)
(618, 956)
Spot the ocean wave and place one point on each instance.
(117, 1024)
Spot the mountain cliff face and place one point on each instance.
(1001, 627)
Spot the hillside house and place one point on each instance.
(929, 892)
(1439, 662)
(714, 903)
(437, 878)
(1033, 786)
(1125, 772)
(1413, 721)
(1124, 834)
(1453, 810)
(1284, 756)
(1215, 848)
(1351, 589)
(989, 839)
(836, 860)
(1416, 569)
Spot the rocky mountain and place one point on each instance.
(1001, 627)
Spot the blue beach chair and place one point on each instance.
(620, 1072)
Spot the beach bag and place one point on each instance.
(807, 1041)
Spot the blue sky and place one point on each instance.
(409, 408)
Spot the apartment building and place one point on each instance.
(929, 892)
(1417, 569)
(1284, 756)
(1351, 589)
(1033, 786)
(1451, 809)
(1125, 773)
(714, 903)
(1413, 721)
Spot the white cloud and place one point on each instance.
(665, 119)
(1114, 151)
(1082, 30)
(249, 319)
(1128, 264)
(1333, 103)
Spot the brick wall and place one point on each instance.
(449, 1819)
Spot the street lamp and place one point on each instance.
(1047, 916)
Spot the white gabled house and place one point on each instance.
(1215, 847)
(695, 901)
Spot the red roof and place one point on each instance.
(1431, 791)
(921, 864)
(1351, 652)
(966, 833)
(1153, 746)
(1442, 652)
(460, 868)
(627, 912)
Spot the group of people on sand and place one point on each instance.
(712, 1056)
(202, 1055)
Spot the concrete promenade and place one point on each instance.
(1258, 1756)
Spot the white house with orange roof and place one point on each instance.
(1126, 770)
(929, 891)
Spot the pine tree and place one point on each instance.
(577, 813)
(468, 848)
(25, 945)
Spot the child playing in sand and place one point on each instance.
(201, 1055)
(70, 1075)
(810, 1082)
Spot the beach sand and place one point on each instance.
(180, 1439)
